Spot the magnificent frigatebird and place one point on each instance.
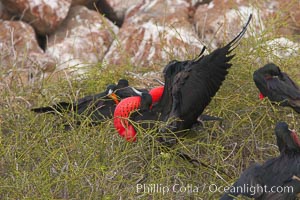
(278, 178)
(96, 107)
(189, 87)
(277, 86)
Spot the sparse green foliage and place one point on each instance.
(40, 160)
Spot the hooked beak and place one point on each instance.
(113, 96)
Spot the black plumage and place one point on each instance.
(281, 173)
(190, 86)
(96, 107)
(277, 86)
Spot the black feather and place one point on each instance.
(276, 172)
(96, 107)
(198, 81)
(190, 85)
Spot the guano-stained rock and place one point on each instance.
(82, 40)
(44, 15)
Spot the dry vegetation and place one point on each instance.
(40, 160)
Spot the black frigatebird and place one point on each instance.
(277, 86)
(189, 88)
(97, 107)
(278, 178)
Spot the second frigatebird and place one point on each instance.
(277, 86)
(278, 178)
(96, 107)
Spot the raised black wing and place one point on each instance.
(194, 86)
(174, 67)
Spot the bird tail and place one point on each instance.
(59, 107)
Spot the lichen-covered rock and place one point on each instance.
(44, 15)
(82, 40)
(83, 2)
(219, 21)
(21, 58)
(154, 33)
(282, 47)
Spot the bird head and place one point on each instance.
(287, 140)
(268, 71)
(110, 92)
(271, 69)
(122, 83)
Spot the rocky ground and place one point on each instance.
(41, 38)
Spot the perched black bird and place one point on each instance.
(277, 86)
(189, 87)
(278, 178)
(96, 107)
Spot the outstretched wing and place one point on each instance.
(173, 68)
(194, 86)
